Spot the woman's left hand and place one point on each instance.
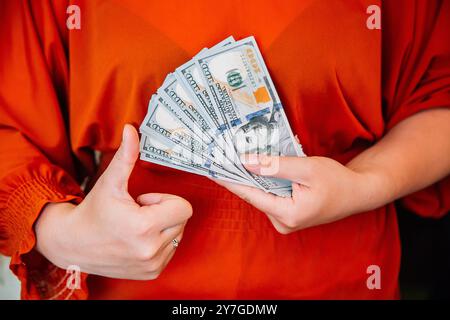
(323, 191)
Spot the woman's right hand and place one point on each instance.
(109, 233)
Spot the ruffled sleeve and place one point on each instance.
(36, 163)
(416, 77)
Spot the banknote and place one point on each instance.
(244, 96)
(165, 126)
(215, 150)
(159, 153)
(189, 76)
(187, 112)
(173, 91)
(214, 108)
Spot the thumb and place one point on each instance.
(149, 199)
(295, 169)
(122, 164)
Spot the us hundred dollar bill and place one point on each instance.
(172, 90)
(152, 150)
(162, 124)
(189, 77)
(187, 112)
(244, 96)
(209, 147)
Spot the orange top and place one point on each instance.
(65, 93)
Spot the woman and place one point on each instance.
(370, 105)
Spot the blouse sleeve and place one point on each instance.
(36, 165)
(416, 77)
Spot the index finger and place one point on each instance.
(295, 169)
(168, 211)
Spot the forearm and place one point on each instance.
(412, 156)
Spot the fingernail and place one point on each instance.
(123, 134)
(249, 159)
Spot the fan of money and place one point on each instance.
(214, 108)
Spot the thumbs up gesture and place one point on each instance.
(109, 233)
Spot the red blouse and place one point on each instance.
(67, 93)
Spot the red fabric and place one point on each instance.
(66, 93)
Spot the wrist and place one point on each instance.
(372, 188)
(53, 231)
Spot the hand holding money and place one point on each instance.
(323, 191)
(213, 109)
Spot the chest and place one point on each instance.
(323, 59)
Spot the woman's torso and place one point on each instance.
(325, 63)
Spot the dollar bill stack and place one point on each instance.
(213, 109)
